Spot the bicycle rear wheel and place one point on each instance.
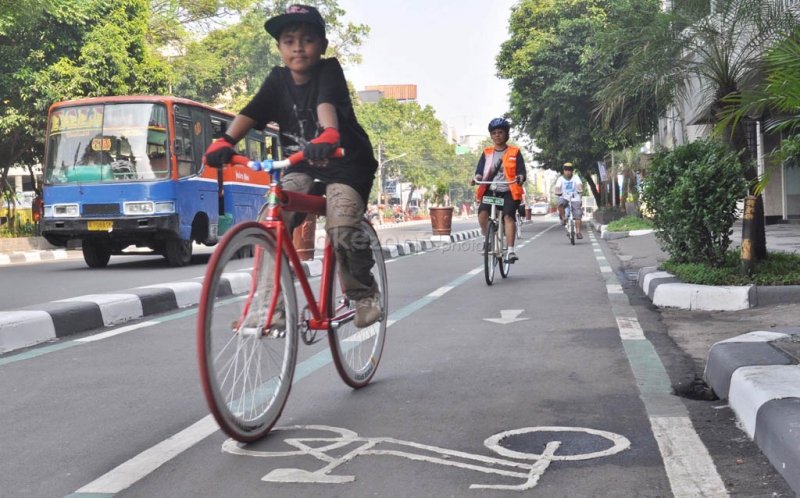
(357, 351)
(489, 261)
(246, 365)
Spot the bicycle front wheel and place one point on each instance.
(357, 351)
(572, 231)
(488, 253)
(246, 358)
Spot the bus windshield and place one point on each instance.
(107, 143)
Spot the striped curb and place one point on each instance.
(53, 320)
(666, 291)
(762, 385)
(32, 256)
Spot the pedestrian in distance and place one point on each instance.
(309, 100)
(501, 163)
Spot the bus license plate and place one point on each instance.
(100, 226)
(497, 201)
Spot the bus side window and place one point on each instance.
(183, 148)
(255, 149)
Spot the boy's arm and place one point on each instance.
(558, 186)
(322, 147)
(239, 127)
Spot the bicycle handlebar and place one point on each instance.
(273, 164)
(495, 183)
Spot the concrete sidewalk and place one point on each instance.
(745, 339)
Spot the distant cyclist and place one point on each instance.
(501, 163)
(569, 189)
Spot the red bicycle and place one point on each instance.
(248, 322)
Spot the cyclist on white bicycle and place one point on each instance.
(501, 163)
(569, 189)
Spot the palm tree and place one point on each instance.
(696, 59)
(778, 97)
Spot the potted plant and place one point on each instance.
(441, 215)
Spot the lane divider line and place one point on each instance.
(690, 469)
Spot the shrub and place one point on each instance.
(691, 194)
(778, 269)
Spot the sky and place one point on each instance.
(446, 47)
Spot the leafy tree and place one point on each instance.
(556, 56)
(414, 132)
(777, 98)
(62, 49)
(685, 53)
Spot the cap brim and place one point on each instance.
(275, 25)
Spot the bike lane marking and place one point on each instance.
(130, 472)
(143, 464)
(689, 467)
(528, 467)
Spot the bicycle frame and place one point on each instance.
(277, 201)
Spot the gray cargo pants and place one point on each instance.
(344, 212)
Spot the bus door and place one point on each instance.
(195, 194)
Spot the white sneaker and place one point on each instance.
(368, 311)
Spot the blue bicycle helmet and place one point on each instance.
(501, 123)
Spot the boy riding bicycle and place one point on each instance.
(309, 99)
(501, 163)
(569, 189)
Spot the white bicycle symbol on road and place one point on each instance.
(529, 469)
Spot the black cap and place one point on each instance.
(295, 14)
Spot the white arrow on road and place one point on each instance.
(507, 316)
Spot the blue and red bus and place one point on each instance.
(123, 171)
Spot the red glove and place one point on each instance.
(323, 146)
(219, 152)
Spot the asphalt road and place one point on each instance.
(125, 414)
(36, 283)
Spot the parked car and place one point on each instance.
(539, 208)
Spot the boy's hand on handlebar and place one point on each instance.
(321, 148)
(219, 152)
(520, 180)
(318, 151)
(476, 179)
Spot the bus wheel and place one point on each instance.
(95, 253)
(178, 252)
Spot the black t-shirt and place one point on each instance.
(294, 108)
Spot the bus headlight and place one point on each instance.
(138, 208)
(165, 207)
(65, 210)
(48, 211)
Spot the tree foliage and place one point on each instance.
(687, 52)
(412, 134)
(555, 57)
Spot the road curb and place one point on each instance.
(56, 319)
(33, 256)
(666, 291)
(605, 234)
(762, 385)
